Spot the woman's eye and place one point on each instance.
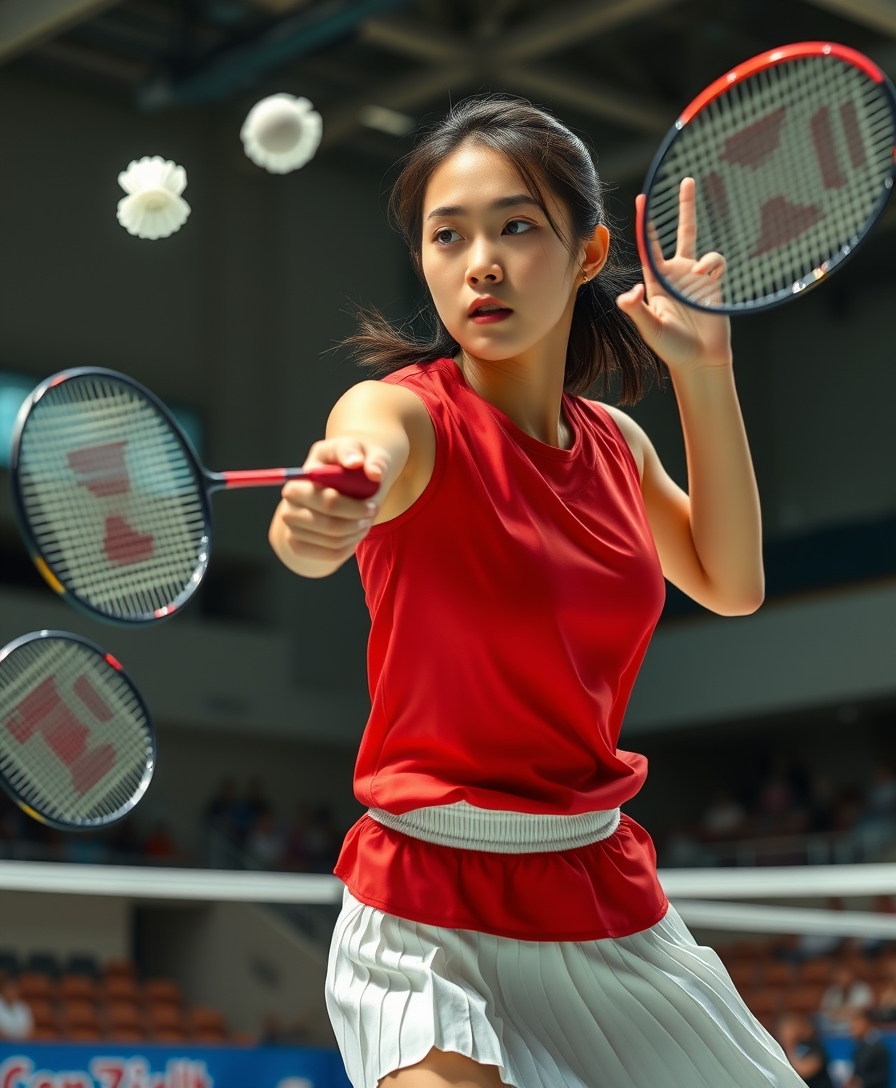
(517, 226)
(447, 235)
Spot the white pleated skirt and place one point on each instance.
(654, 1010)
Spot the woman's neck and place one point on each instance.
(528, 389)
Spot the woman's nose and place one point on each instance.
(483, 268)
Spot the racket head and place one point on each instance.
(77, 743)
(110, 496)
(792, 153)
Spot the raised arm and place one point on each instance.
(383, 428)
(709, 539)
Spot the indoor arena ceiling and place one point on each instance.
(618, 70)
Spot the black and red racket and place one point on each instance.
(792, 153)
(77, 745)
(112, 500)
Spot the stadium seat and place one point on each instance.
(36, 985)
(44, 1034)
(815, 970)
(120, 988)
(743, 973)
(204, 1019)
(164, 1016)
(776, 973)
(43, 1013)
(78, 1014)
(77, 987)
(123, 1014)
(764, 1001)
(805, 998)
(162, 991)
(119, 969)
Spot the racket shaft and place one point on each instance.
(352, 482)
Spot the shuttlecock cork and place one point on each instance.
(281, 133)
(153, 207)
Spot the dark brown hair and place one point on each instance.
(604, 346)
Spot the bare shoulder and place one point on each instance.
(381, 400)
(632, 432)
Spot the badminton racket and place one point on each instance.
(112, 500)
(77, 745)
(792, 154)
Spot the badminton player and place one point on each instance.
(501, 921)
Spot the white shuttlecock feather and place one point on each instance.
(281, 133)
(153, 207)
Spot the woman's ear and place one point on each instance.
(596, 251)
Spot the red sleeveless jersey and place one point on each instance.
(511, 607)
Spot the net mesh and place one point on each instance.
(791, 165)
(113, 501)
(75, 742)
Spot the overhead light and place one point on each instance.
(385, 120)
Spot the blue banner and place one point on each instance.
(94, 1065)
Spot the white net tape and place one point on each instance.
(113, 501)
(75, 742)
(791, 165)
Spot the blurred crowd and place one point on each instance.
(241, 829)
(125, 842)
(245, 829)
(812, 990)
(820, 822)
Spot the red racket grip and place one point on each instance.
(353, 482)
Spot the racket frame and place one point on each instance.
(762, 62)
(45, 569)
(119, 814)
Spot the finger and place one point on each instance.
(323, 524)
(304, 494)
(634, 305)
(686, 243)
(710, 264)
(348, 452)
(298, 537)
(328, 555)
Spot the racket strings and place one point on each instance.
(112, 497)
(791, 165)
(75, 742)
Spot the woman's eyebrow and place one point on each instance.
(503, 202)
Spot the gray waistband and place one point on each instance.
(498, 831)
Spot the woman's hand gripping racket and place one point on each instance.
(792, 154)
(112, 500)
(77, 746)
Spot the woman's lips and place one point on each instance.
(489, 317)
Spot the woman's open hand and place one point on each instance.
(683, 337)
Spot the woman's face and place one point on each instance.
(501, 279)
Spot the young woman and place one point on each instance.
(501, 921)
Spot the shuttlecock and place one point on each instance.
(153, 207)
(281, 133)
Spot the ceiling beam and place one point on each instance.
(414, 39)
(571, 24)
(401, 94)
(599, 100)
(26, 23)
(878, 14)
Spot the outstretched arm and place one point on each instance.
(379, 427)
(710, 539)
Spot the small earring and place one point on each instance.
(584, 277)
